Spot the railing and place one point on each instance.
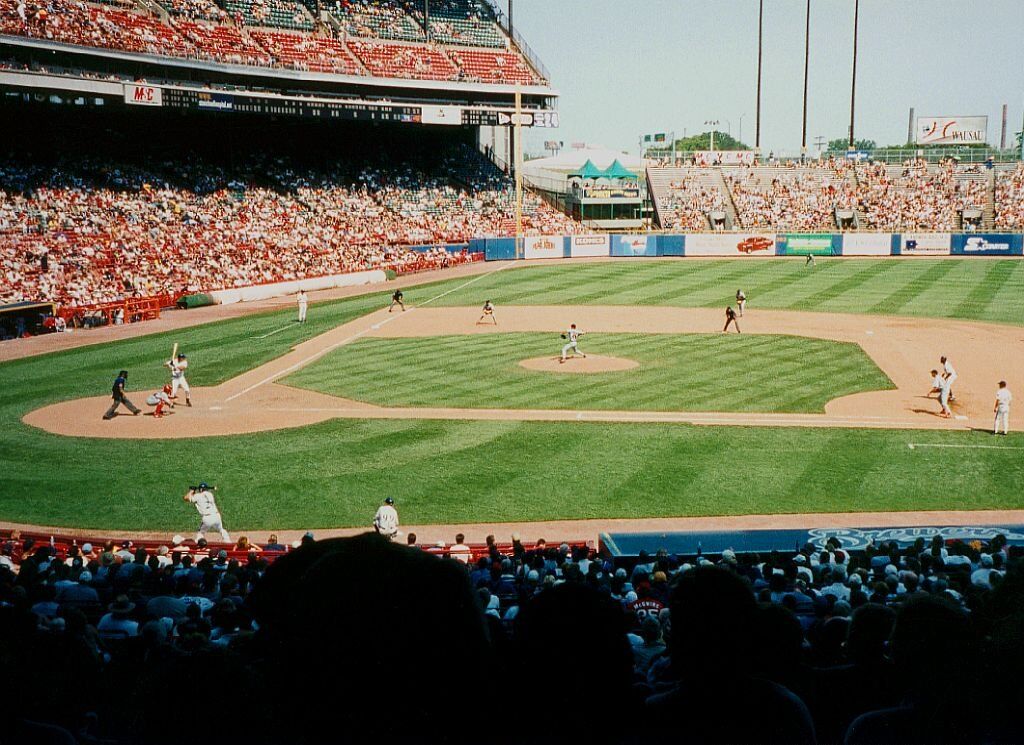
(885, 155)
(520, 42)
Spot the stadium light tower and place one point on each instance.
(760, 37)
(853, 83)
(807, 61)
(712, 123)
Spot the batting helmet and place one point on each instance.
(389, 500)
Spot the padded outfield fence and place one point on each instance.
(752, 244)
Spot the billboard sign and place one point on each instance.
(867, 244)
(804, 244)
(450, 116)
(544, 247)
(589, 245)
(987, 245)
(724, 157)
(951, 130)
(925, 244)
(730, 244)
(143, 95)
(633, 245)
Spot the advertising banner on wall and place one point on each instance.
(987, 245)
(633, 245)
(589, 245)
(730, 244)
(724, 157)
(544, 247)
(446, 115)
(867, 244)
(925, 244)
(802, 244)
(143, 95)
(951, 130)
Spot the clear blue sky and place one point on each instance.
(625, 67)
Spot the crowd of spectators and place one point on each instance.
(895, 643)
(84, 231)
(1010, 199)
(915, 196)
(791, 199)
(687, 203)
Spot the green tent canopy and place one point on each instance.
(617, 170)
(589, 170)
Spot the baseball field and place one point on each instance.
(818, 406)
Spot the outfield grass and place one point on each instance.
(335, 473)
(677, 372)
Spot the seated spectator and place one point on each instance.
(117, 623)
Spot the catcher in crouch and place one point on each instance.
(573, 334)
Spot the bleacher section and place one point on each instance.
(271, 13)
(377, 19)
(466, 43)
(464, 22)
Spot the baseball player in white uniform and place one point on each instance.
(940, 386)
(949, 373)
(741, 301)
(178, 365)
(385, 522)
(1002, 409)
(303, 306)
(202, 497)
(573, 334)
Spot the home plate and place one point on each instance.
(961, 417)
(216, 408)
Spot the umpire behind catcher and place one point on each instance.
(117, 393)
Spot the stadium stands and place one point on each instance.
(412, 61)
(203, 10)
(223, 43)
(307, 52)
(486, 66)
(464, 22)
(114, 230)
(380, 19)
(820, 644)
(272, 13)
(1009, 199)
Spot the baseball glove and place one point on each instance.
(564, 336)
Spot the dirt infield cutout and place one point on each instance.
(589, 365)
(905, 349)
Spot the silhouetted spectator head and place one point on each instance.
(713, 612)
(869, 631)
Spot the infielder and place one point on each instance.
(160, 400)
(573, 335)
(202, 497)
(1002, 408)
(178, 365)
(303, 305)
(730, 317)
(940, 386)
(385, 522)
(396, 299)
(117, 393)
(741, 301)
(488, 312)
(949, 374)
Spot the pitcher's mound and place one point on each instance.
(592, 363)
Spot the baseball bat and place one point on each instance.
(175, 352)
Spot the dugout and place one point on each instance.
(18, 319)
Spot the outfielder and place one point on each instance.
(385, 522)
(488, 312)
(940, 386)
(160, 400)
(178, 365)
(949, 374)
(741, 301)
(573, 334)
(202, 497)
(1002, 408)
(303, 305)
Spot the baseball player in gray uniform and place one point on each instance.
(202, 498)
(178, 365)
(1002, 409)
(949, 373)
(573, 335)
(940, 386)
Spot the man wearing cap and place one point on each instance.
(385, 522)
(117, 393)
(202, 497)
(178, 365)
(117, 624)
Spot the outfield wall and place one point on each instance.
(754, 244)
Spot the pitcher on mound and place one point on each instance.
(573, 334)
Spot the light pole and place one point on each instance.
(853, 82)
(760, 35)
(807, 62)
(712, 123)
(740, 137)
(728, 127)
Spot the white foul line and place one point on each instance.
(283, 328)
(915, 445)
(358, 335)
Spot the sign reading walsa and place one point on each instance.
(952, 130)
